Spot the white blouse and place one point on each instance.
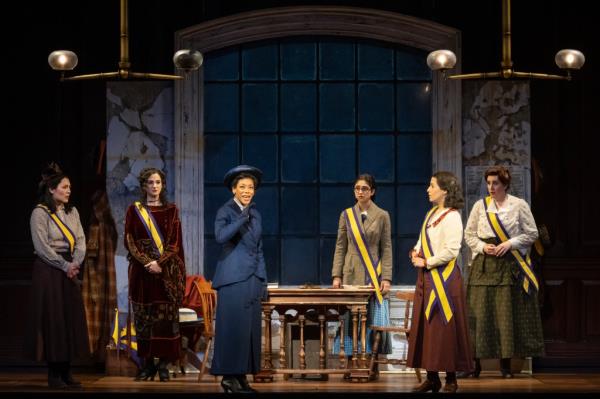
(516, 218)
(445, 238)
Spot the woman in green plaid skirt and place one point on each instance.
(504, 317)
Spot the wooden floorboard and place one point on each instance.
(489, 383)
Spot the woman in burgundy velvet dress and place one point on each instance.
(156, 274)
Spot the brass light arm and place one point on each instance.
(480, 75)
(566, 59)
(65, 60)
(534, 75)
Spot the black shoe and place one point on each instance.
(505, 368)
(475, 373)
(163, 371)
(245, 385)
(428, 385)
(230, 384)
(506, 373)
(67, 377)
(54, 380)
(70, 381)
(148, 372)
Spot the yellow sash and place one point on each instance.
(358, 237)
(150, 225)
(437, 295)
(64, 229)
(502, 235)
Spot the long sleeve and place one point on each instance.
(386, 249)
(528, 229)
(80, 246)
(40, 237)
(130, 240)
(341, 247)
(173, 245)
(451, 238)
(417, 246)
(471, 237)
(225, 228)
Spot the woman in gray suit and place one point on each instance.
(365, 229)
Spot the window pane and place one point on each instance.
(298, 107)
(259, 61)
(414, 158)
(336, 60)
(299, 210)
(336, 107)
(220, 155)
(259, 107)
(267, 203)
(298, 159)
(214, 198)
(300, 261)
(221, 107)
(413, 107)
(375, 62)
(327, 250)
(298, 61)
(412, 206)
(261, 151)
(221, 65)
(337, 158)
(332, 201)
(376, 157)
(375, 107)
(411, 64)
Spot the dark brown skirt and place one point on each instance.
(433, 345)
(56, 329)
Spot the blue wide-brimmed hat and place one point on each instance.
(251, 170)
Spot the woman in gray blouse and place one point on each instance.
(57, 330)
(504, 317)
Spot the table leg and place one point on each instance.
(267, 352)
(282, 360)
(302, 352)
(354, 337)
(342, 354)
(363, 338)
(322, 341)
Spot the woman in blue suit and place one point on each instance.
(240, 281)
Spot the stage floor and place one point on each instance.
(34, 382)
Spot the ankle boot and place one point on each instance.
(451, 385)
(475, 373)
(231, 384)
(505, 368)
(432, 383)
(67, 377)
(54, 380)
(244, 384)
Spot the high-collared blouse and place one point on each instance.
(516, 217)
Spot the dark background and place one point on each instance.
(47, 120)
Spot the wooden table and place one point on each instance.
(321, 301)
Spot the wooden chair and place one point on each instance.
(208, 298)
(408, 299)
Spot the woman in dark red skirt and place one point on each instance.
(57, 330)
(439, 337)
(156, 274)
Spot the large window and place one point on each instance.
(313, 113)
